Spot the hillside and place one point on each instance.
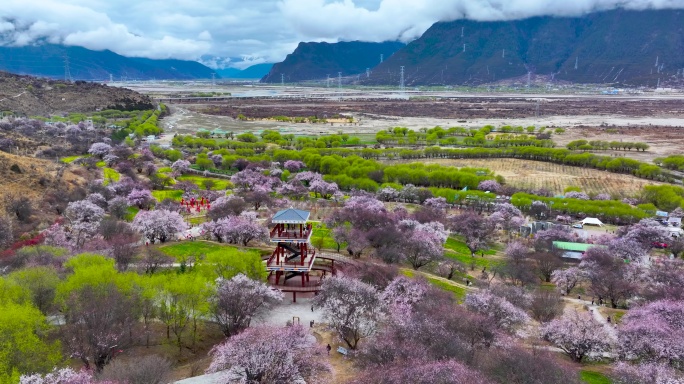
(84, 64)
(620, 47)
(26, 95)
(315, 61)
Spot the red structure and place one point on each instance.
(294, 259)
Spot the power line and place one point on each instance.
(401, 81)
(67, 71)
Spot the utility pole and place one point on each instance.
(401, 81)
(282, 79)
(339, 80)
(576, 61)
(529, 75)
(657, 57)
(503, 53)
(111, 78)
(463, 47)
(213, 79)
(462, 28)
(382, 58)
(367, 73)
(67, 71)
(327, 81)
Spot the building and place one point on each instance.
(294, 266)
(573, 251)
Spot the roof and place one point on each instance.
(661, 213)
(576, 247)
(592, 220)
(291, 216)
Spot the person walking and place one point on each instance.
(328, 348)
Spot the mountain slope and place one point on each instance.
(31, 96)
(318, 60)
(616, 46)
(49, 61)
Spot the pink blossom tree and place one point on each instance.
(270, 355)
(180, 166)
(238, 300)
(438, 203)
(642, 373)
(602, 196)
(352, 308)
(664, 280)
(578, 334)
(99, 149)
(609, 276)
(507, 216)
(422, 244)
(576, 195)
(84, 220)
(654, 332)
(249, 179)
(159, 224)
(237, 229)
(404, 292)
(61, 376)
(388, 194)
(420, 372)
(323, 189)
(489, 185)
(567, 279)
(505, 314)
(141, 198)
(646, 232)
(294, 165)
(476, 229)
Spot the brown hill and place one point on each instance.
(31, 96)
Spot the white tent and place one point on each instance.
(592, 221)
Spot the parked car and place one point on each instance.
(659, 245)
(578, 225)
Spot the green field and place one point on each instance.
(219, 184)
(174, 194)
(592, 377)
(192, 248)
(110, 175)
(132, 211)
(321, 232)
(459, 292)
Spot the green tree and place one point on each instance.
(41, 282)
(23, 342)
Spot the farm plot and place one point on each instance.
(554, 177)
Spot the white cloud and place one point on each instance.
(256, 31)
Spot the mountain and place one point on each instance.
(256, 71)
(620, 47)
(48, 60)
(313, 61)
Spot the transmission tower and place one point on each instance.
(401, 79)
(339, 80)
(213, 79)
(327, 81)
(382, 58)
(367, 73)
(67, 71)
(282, 79)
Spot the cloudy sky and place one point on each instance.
(255, 30)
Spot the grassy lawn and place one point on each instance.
(197, 220)
(192, 248)
(480, 262)
(174, 194)
(323, 233)
(100, 164)
(71, 159)
(110, 174)
(459, 292)
(165, 170)
(458, 246)
(219, 184)
(132, 211)
(592, 377)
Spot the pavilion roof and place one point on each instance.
(291, 216)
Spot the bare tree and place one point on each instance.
(142, 370)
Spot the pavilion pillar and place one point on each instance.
(303, 277)
(294, 297)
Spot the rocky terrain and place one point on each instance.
(30, 96)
